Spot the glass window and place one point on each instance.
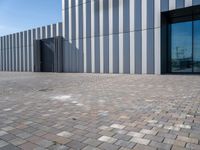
(181, 47)
(196, 47)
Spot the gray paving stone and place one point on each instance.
(10, 147)
(76, 145)
(143, 109)
(108, 146)
(3, 143)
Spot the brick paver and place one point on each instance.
(99, 112)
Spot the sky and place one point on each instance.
(20, 15)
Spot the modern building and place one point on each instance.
(112, 36)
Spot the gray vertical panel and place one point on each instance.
(43, 32)
(81, 67)
(126, 52)
(88, 35)
(88, 20)
(66, 23)
(97, 54)
(10, 52)
(21, 58)
(126, 20)
(115, 16)
(115, 53)
(7, 52)
(138, 15)
(180, 3)
(105, 18)
(80, 21)
(29, 50)
(88, 49)
(53, 30)
(150, 14)
(195, 2)
(150, 51)
(38, 33)
(164, 5)
(13, 52)
(96, 23)
(48, 32)
(4, 51)
(73, 22)
(138, 52)
(106, 54)
(0, 53)
(25, 51)
(59, 29)
(17, 52)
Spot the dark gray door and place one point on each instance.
(47, 55)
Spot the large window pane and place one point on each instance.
(196, 48)
(181, 47)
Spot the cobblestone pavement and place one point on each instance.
(99, 112)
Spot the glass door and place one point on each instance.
(181, 47)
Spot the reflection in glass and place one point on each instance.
(181, 47)
(196, 48)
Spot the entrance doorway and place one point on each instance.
(48, 55)
(181, 41)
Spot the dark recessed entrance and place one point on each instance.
(181, 41)
(48, 55)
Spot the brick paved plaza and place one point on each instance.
(99, 112)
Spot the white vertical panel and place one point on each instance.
(110, 36)
(121, 42)
(188, 3)
(121, 54)
(70, 21)
(132, 15)
(132, 52)
(92, 37)
(84, 37)
(172, 4)
(144, 37)
(157, 37)
(9, 53)
(64, 17)
(121, 28)
(132, 36)
(101, 36)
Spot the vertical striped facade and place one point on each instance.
(115, 36)
(16, 50)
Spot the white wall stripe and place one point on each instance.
(84, 37)
(144, 36)
(111, 36)
(172, 4)
(101, 36)
(132, 36)
(188, 3)
(121, 42)
(92, 38)
(157, 36)
(70, 22)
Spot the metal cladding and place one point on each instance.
(16, 50)
(100, 36)
(115, 36)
